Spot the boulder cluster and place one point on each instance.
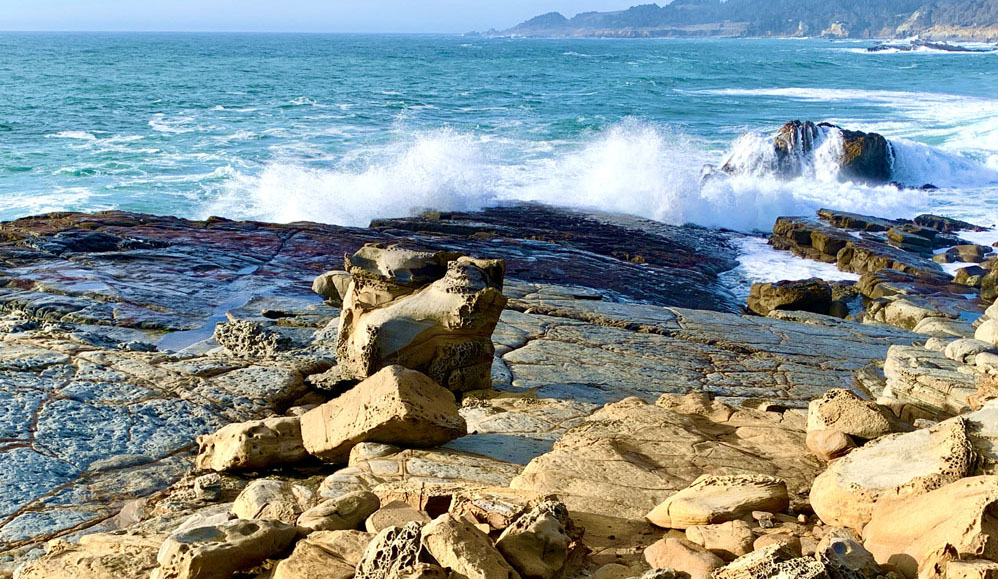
(891, 476)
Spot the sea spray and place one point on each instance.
(633, 167)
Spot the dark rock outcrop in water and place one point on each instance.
(82, 268)
(864, 157)
(914, 45)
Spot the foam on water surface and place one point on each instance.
(396, 125)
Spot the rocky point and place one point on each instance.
(519, 393)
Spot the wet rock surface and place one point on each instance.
(595, 411)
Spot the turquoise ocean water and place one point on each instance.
(343, 128)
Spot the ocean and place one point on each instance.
(345, 128)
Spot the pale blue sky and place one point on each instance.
(286, 15)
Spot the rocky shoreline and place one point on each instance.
(521, 392)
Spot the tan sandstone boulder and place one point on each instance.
(332, 286)
(845, 412)
(963, 515)
(343, 513)
(432, 312)
(218, 551)
(273, 500)
(257, 444)
(719, 498)
(973, 569)
(465, 550)
(628, 457)
(894, 467)
(682, 555)
(392, 553)
(770, 562)
(932, 384)
(395, 406)
(829, 444)
(541, 542)
(97, 556)
(901, 466)
(728, 540)
(325, 555)
(394, 514)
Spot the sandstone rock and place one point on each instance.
(257, 444)
(780, 537)
(538, 545)
(941, 327)
(496, 510)
(395, 406)
(465, 550)
(895, 467)
(614, 571)
(961, 514)
(929, 381)
(394, 514)
(965, 351)
(340, 514)
(273, 500)
(728, 540)
(332, 286)
(842, 410)
(844, 558)
(250, 339)
(771, 561)
(98, 556)
(218, 551)
(974, 569)
(430, 312)
(829, 444)
(623, 460)
(988, 332)
(971, 276)
(812, 295)
(945, 224)
(325, 555)
(425, 571)
(907, 313)
(684, 556)
(393, 553)
(719, 498)
(208, 487)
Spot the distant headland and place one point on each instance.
(975, 20)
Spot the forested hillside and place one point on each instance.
(838, 18)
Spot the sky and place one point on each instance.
(287, 15)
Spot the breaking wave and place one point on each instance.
(633, 167)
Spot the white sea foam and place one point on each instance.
(635, 168)
(175, 126)
(760, 263)
(79, 135)
(437, 170)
